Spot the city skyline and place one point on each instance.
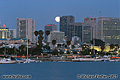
(44, 11)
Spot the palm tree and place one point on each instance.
(102, 48)
(36, 34)
(68, 43)
(40, 32)
(47, 33)
(112, 46)
(40, 38)
(53, 42)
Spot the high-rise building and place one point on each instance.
(87, 33)
(92, 21)
(50, 27)
(64, 22)
(11, 33)
(109, 29)
(26, 26)
(56, 35)
(74, 29)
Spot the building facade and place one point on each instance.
(50, 27)
(109, 29)
(87, 33)
(56, 35)
(64, 23)
(74, 29)
(3, 33)
(11, 33)
(92, 21)
(26, 26)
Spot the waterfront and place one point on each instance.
(60, 70)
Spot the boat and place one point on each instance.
(7, 61)
(87, 59)
(111, 60)
(28, 60)
(18, 60)
(106, 58)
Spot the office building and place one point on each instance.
(109, 29)
(64, 22)
(74, 29)
(87, 33)
(11, 33)
(56, 35)
(92, 21)
(26, 26)
(50, 27)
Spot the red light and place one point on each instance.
(94, 18)
(4, 25)
(48, 25)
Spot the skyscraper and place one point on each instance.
(24, 26)
(74, 29)
(109, 29)
(50, 27)
(64, 22)
(87, 33)
(92, 21)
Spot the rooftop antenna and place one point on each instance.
(0, 21)
(100, 13)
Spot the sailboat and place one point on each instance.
(28, 60)
(7, 60)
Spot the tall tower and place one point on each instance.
(64, 22)
(92, 21)
(25, 25)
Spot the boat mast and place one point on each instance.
(27, 39)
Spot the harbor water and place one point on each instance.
(62, 71)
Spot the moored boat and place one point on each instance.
(7, 61)
(87, 59)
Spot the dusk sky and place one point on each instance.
(44, 11)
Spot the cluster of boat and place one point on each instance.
(12, 60)
(104, 58)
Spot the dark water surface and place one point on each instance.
(61, 70)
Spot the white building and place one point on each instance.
(26, 26)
